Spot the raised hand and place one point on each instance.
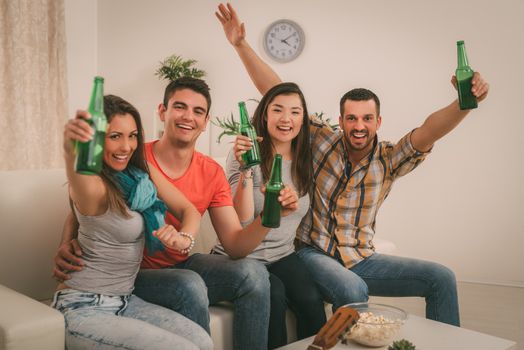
(233, 28)
(242, 144)
(479, 87)
(77, 130)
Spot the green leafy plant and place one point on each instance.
(174, 67)
(402, 344)
(229, 126)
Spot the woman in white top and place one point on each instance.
(281, 120)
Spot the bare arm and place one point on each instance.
(239, 242)
(441, 122)
(243, 200)
(88, 192)
(262, 75)
(176, 202)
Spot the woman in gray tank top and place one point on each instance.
(118, 212)
(282, 120)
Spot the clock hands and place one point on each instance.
(285, 40)
(289, 36)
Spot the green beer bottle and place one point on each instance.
(464, 75)
(90, 154)
(251, 157)
(271, 213)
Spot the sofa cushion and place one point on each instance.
(27, 324)
(33, 206)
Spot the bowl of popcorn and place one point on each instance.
(378, 324)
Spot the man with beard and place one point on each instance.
(353, 174)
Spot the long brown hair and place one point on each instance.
(301, 167)
(114, 105)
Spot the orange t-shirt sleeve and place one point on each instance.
(222, 196)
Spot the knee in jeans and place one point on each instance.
(206, 343)
(193, 287)
(255, 276)
(444, 276)
(361, 292)
(355, 292)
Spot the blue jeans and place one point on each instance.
(387, 276)
(206, 279)
(98, 321)
(292, 286)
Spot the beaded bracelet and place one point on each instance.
(191, 245)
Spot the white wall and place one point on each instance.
(464, 206)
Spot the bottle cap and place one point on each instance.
(460, 42)
(241, 103)
(99, 79)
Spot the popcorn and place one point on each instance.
(374, 330)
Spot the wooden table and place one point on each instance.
(430, 335)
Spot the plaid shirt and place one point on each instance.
(345, 201)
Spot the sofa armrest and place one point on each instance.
(28, 324)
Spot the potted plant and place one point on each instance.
(174, 67)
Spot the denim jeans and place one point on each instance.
(388, 276)
(98, 321)
(292, 286)
(183, 287)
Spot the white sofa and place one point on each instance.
(33, 205)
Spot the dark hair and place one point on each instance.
(197, 85)
(359, 94)
(301, 167)
(114, 105)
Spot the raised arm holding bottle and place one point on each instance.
(354, 173)
(118, 211)
(172, 278)
(281, 122)
(89, 156)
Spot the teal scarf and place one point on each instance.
(141, 196)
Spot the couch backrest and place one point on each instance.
(33, 205)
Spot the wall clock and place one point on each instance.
(284, 40)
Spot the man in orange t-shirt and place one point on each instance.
(173, 279)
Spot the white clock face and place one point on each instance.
(284, 40)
